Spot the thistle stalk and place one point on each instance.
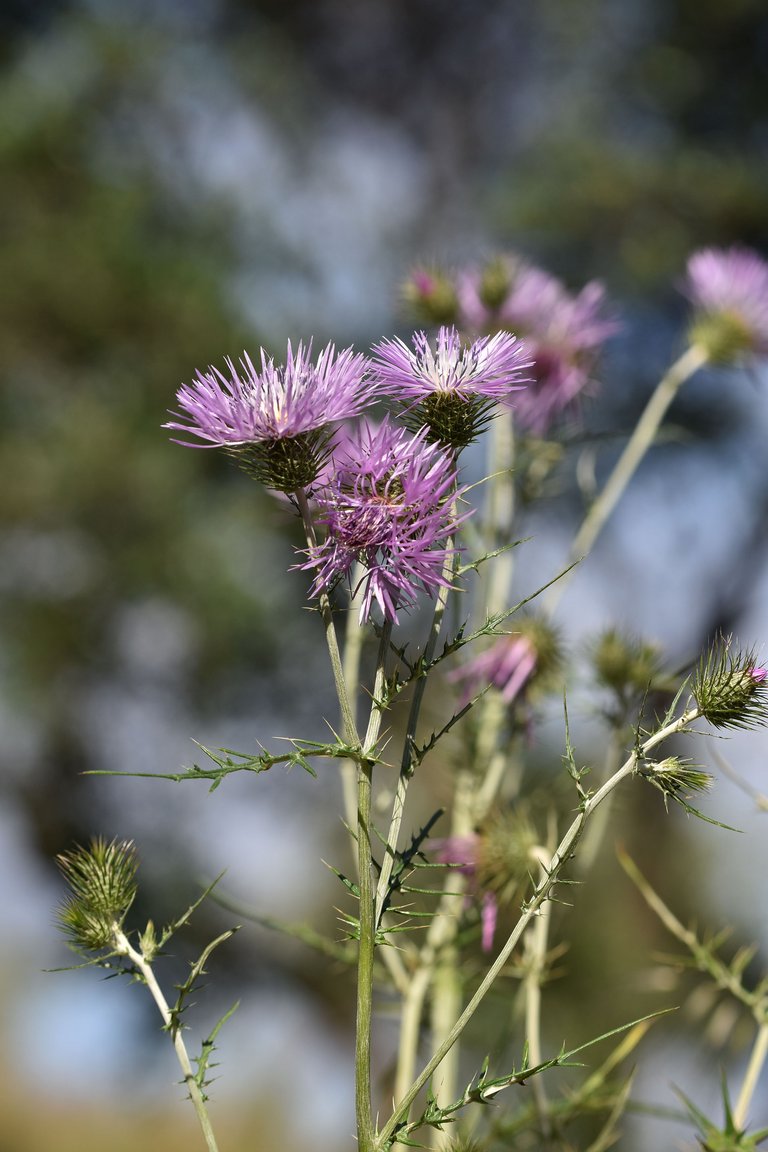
(349, 727)
(124, 947)
(367, 943)
(542, 892)
(640, 441)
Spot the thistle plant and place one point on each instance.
(102, 887)
(439, 914)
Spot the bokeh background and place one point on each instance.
(185, 178)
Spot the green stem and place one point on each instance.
(536, 943)
(541, 893)
(367, 944)
(639, 442)
(757, 1059)
(349, 726)
(365, 958)
(125, 948)
(406, 764)
(353, 647)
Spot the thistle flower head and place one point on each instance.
(731, 688)
(102, 882)
(276, 420)
(497, 860)
(563, 333)
(512, 663)
(430, 295)
(452, 388)
(625, 664)
(390, 508)
(677, 779)
(461, 853)
(728, 288)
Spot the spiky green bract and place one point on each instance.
(625, 664)
(677, 779)
(730, 688)
(729, 1138)
(286, 465)
(102, 879)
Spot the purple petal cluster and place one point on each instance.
(274, 402)
(507, 665)
(489, 368)
(729, 289)
(462, 852)
(562, 332)
(389, 507)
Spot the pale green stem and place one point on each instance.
(501, 508)
(754, 1068)
(446, 990)
(349, 726)
(406, 765)
(594, 837)
(639, 442)
(446, 1005)
(125, 948)
(440, 957)
(536, 941)
(542, 893)
(353, 647)
(367, 944)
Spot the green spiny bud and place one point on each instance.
(102, 882)
(495, 282)
(676, 778)
(626, 665)
(731, 690)
(431, 296)
(505, 860)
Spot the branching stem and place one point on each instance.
(638, 444)
(542, 892)
(124, 947)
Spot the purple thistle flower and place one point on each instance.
(729, 292)
(508, 666)
(389, 507)
(512, 662)
(463, 854)
(276, 420)
(490, 367)
(453, 387)
(253, 406)
(563, 333)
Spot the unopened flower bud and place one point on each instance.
(431, 296)
(625, 664)
(731, 691)
(102, 881)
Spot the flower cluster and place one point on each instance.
(563, 333)
(728, 289)
(390, 508)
